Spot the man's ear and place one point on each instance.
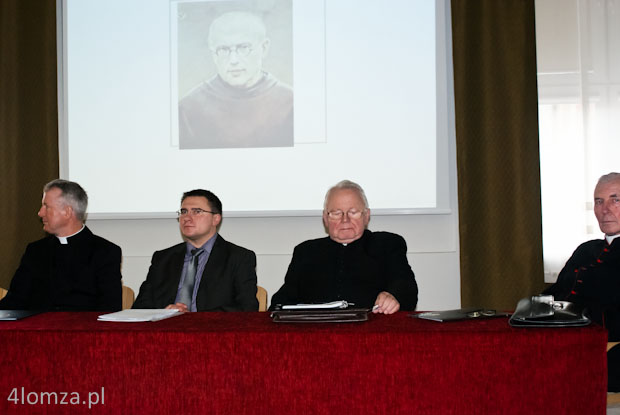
(367, 218)
(67, 211)
(265, 47)
(217, 219)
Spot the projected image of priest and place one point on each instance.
(243, 105)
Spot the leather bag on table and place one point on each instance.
(544, 311)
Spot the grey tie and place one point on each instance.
(187, 290)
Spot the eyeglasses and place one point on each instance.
(193, 212)
(336, 215)
(481, 313)
(242, 49)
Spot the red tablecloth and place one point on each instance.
(242, 363)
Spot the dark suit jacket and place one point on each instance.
(323, 270)
(84, 275)
(591, 277)
(228, 282)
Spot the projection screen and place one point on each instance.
(267, 103)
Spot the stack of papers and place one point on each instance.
(139, 315)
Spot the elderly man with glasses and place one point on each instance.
(205, 272)
(368, 269)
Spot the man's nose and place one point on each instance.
(186, 218)
(233, 57)
(345, 217)
(40, 212)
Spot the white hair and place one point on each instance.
(348, 185)
(609, 177)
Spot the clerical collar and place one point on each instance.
(611, 238)
(63, 239)
(364, 234)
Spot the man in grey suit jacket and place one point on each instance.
(204, 273)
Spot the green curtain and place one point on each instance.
(28, 122)
(496, 131)
(496, 112)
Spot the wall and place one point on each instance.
(431, 239)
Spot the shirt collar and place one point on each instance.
(207, 246)
(355, 242)
(611, 238)
(64, 239)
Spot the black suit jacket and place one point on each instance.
(228, 282)
(84, 275)
(323, 270)
(591, 277)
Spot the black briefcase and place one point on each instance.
(544, 311)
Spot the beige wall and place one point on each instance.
(431, 240)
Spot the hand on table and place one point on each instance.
(178, 306)
(387, 303)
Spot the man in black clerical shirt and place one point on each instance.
(243, 105)
(71, 269)
(369, 269)
(591, 276)
(205, 272)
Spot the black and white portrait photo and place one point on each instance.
(235, 70)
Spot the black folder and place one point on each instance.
(12, 315)
(472, 313)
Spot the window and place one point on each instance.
(578, 53)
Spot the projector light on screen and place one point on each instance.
(265, 103)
